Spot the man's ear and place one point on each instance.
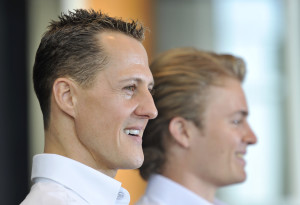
(63, 92)
(178, 128)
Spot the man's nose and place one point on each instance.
(146, 106)
(250, 137)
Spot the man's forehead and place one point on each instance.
(111, 39)
(229, 95)
(115, 44)
(127, 59)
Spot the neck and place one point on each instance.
(61, 138)
(189, 179)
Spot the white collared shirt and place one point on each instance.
(163, 191)
(58, 180)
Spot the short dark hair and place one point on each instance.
(70, 48)
(182, 79)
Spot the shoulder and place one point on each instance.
(49, 193)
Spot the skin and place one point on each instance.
(89, 124)
(213, 156)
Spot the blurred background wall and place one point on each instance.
(264, 32)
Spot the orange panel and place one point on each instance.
(130, 9)
(133, 183)
(143, 11)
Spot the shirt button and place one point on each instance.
(120, 196)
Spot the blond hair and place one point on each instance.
(182, 77)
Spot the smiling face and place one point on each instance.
(218, 148)
(112, 115)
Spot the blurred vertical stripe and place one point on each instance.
(13, 102)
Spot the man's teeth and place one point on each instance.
(132, 132)
(240, 155)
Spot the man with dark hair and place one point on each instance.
(92, 80)
(198, 141)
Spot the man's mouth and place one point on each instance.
(132, 132)
(240, 155)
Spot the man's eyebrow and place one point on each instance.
(244, 113)
(239, 113)
(137, 79)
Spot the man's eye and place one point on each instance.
(237, 122)
(131, 88)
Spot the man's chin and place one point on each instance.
(134, 163)
(138, 163)
(241, 177)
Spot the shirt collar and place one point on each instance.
(90, 184)
(171, 192)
